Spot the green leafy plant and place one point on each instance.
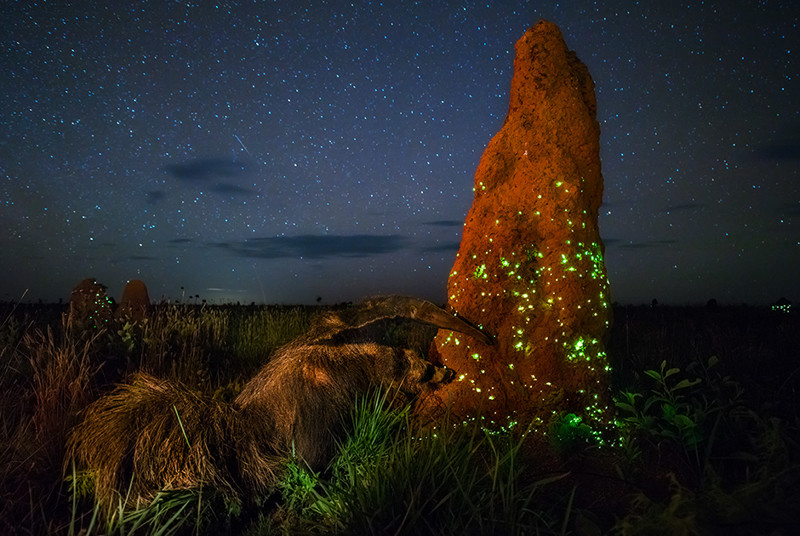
(666, 411)
(686, 412)
(676, 410)
(128, 336)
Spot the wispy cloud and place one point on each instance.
(205, 169)
(628, 244)
(790, 209)
(217, 173)
(154, 196)
(232, 189)
(443, 246)
(644, 245)
(785, 146)
(316, 246)
(779, 150)
(444, 223)
(682, 207)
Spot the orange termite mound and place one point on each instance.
(135, 300)
(530, 266)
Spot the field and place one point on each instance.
(708, 402)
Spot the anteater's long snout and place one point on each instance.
(431, 314)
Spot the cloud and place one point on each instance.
(611, 242)
(781, 150)
(645, 245)
(232, 189)
(443, 246)
(179, 241)
(317, 246)
(785, 146)
(217, 171)
(630, 244)
(790, 209)
(206, 169)
(684, 206)
(154, 196)
(444, 223)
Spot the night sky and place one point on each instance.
(273, 153)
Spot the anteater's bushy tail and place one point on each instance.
(151, 434)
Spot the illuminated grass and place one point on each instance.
(390, 479)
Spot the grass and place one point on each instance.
(707, 403)
(389, 478)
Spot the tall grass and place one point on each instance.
(177, 512)
(199, 344)
(389, 478)
(37, 410)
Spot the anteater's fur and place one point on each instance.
(150, 434)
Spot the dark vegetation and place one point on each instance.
(708, 402)
(150, 434)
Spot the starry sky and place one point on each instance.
(285, 151)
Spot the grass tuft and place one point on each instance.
(391, 479)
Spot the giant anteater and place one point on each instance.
(150, 434)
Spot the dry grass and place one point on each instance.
(37, 414)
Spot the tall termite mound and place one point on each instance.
(530, 266)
